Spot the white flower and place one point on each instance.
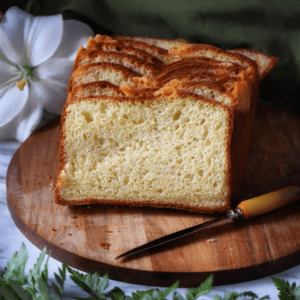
(36, 61)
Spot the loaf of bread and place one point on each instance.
(161, 123)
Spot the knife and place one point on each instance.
(245, 210)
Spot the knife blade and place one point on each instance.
(246, 209)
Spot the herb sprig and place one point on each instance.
(14, 285)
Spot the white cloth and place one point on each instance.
(11, 239)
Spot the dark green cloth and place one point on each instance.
(270, 26)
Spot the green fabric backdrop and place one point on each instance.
(270, 26)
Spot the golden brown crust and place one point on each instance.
(103, 38)
(134, 91)
(190, 60)
(130, 61)
(198, 67)
(149, 40)
(118, 46)
(219, 79)
(97, 67)
(103, 85)
(151, 49)
(181, 206)
(191, 50)
(177, 84)
(254, 55)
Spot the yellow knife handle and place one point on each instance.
(268, 202)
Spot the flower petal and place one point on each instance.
(43, 39)
(57, 71)
(14, 24)
(51, 96)
(10, 52)
(8, 72)
(24, 124)
(51, 87)
(74, 34)
(12, 101)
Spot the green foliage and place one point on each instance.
(234, 295)
(15, 269)
(91, 284)
(286, 291)
(153, 294)
(204, 288)
(14, 285)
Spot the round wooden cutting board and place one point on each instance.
(89, 238)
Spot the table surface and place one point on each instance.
(12, 238)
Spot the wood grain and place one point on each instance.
(89, 238)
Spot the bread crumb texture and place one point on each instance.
(171, 150)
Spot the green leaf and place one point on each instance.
(155, 295)
(264, 297)
(81, 284)
(203, 289)
(7, 294)
(44, 290)
(102, 285)
(63, 271)
(165, 293)
(249, 294)
(16, 266)
(35, 273)
(30, 290)
(177, 296)
(23, 294)
(44, 273)
(88, 281)
(284, 289)
(231, 296)
(60, 281)
(116, 294)
(149, 297)
(234, 296)
(297, 292)
(6, 290)
(57, 290)
(83, 281)
(86, 298)
(138, 295)
(91, 284)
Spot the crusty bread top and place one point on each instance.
(219, 79)
(132, 62)
(191, 50)
(159, 42)
(266, 63)
(113, 73)
(199, 67)
(118, 46)
(151, 49)
(207, 89)
(96, 88)
(189, 60)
